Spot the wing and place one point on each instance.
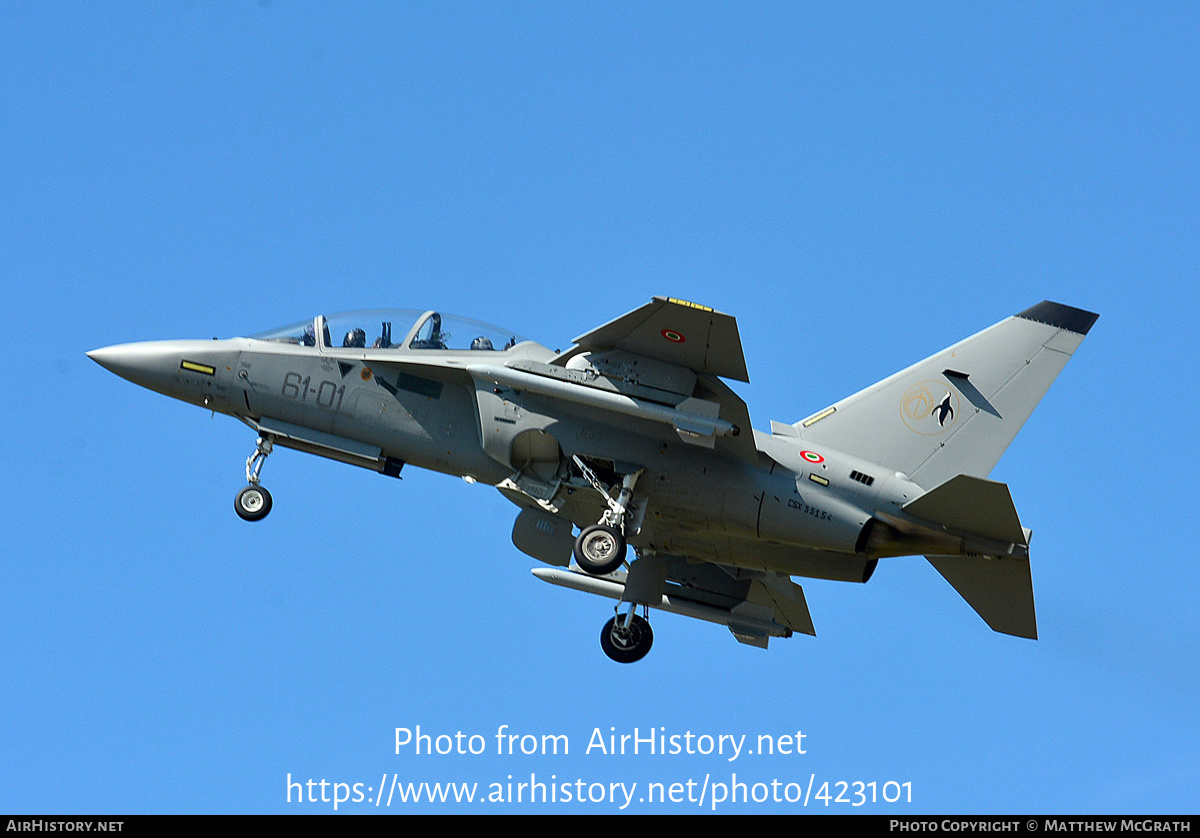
(675, 332)
(671, 352)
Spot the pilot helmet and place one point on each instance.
(355, 339)
(481, 343)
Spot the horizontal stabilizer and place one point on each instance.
(971, 505)
(1000, 590)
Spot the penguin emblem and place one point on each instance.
(944, 411)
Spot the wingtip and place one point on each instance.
(1064, 317)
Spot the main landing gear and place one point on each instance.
(600, 549)
(254, 502)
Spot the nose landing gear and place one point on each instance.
(626, 637)
(254, 502)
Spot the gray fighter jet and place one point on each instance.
(630, 439)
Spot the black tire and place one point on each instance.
(600, 549)
(626, 646)
(252, 503)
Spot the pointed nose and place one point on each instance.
(110, 357)
(148, 364)
(195, 371)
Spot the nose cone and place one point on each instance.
(192, 370)
(149, 364)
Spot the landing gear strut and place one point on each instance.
(254, 502)
(600, 548)
(626, 637)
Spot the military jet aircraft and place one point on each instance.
(630, 439)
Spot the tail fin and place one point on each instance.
(956, 411)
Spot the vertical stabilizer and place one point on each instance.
(956, 411)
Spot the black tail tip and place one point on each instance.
(1064, 317)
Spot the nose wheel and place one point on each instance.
(626, 638)
(254, 502)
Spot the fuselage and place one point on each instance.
(787, 508)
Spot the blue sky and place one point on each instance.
(860, 184)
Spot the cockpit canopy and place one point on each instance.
(394, 329)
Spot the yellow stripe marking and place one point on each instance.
(687, 304)
(812, 420)
(194, 367)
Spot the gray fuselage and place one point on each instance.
(791, 510)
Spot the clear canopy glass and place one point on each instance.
(396, 329)
(301, 334)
